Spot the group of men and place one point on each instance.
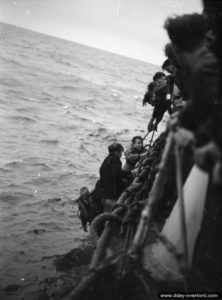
(164, 96)
(113, 177)
(113, 180)
(194, 52)
(192, 95)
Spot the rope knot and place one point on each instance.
(98, 224)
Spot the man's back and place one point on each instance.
(110, 177)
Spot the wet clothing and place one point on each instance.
(89, 207)
(132, 156)
(111, 177)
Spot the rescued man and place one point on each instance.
(134, 154)
(111, 183)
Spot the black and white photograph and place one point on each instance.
(110, 149)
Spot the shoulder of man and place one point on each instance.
(129, 149)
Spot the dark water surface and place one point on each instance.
(61, 105)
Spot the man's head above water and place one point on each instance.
(137, 142)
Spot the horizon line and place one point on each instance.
(83, 44)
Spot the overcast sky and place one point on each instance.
(130, 27)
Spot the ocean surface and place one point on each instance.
(61, 105)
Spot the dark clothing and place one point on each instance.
(208, 249)
(160, 92)
(161, 105)
(202, 115)
(148, 97)
(111, 175)
(204, 112)
(170, 84)
(181, 81)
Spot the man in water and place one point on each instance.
(111, 183)
(134, 153)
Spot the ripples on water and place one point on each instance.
(61, 104)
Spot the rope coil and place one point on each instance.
(98, 224)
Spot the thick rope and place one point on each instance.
(133, 188)
(105, 237)
(101, 246)
(153, 198)
(98, 223)
(152, 201)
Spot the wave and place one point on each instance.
(14, 163)
(69, 127)
(68, 64)
(10, 82)
(12, 61)
(54, 225)
(100, 131)
(37, 231)
(118, 135)
(22, 163)
(14, 197)
(68, 87)
(65, 175)
(54, 200)
(23, 118)
(123, 131)
(3, 170)
(53, 142)
(110, 138)
(80, 118)
(42, 165)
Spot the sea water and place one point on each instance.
(61, 105)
